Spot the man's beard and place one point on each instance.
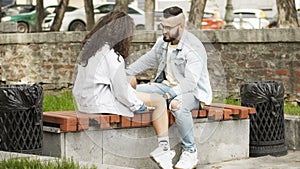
(172, 38)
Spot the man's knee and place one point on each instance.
(174, 105)
(178, 110)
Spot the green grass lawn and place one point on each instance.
(58, 101)
(26, 163)
(291, 109)
(63, 100)
(288, 107)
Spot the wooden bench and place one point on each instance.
(75, 121)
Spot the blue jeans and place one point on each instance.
(183, 115)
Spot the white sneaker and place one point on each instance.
(163, 158)
(187, 160)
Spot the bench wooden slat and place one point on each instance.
(227, 113)
(66, 120)
(125, 122)
(243, 111)
(202, 113)
(215, 114)
(146, 119)
(76, 121)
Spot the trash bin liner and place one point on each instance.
(267, 135)
(21, 123)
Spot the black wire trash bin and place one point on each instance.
(267, 135)
(21, 108)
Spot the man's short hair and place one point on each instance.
(171, 11)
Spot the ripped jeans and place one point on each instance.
(183, 115)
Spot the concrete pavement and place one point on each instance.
(289, 161)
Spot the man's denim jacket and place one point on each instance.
(189, 65)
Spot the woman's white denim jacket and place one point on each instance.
(189, 66)
(102, 87)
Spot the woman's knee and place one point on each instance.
(157, 100)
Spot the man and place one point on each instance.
(182, 78)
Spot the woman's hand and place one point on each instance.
(142, 109)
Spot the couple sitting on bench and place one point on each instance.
(181, 84)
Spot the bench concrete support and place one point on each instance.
(292, 132)
(216, 141)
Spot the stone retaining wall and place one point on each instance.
(234, 56)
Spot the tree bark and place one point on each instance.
(196, 14)
(287, 14)
(0, 10)
(89, 10)
(149, 11)
(61, 9)
(121, 5)
(39, 15)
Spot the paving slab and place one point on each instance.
(289, 161)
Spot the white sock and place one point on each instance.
(164, 142)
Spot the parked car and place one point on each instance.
(242, 24)
(212, 20)
(13, 9)
(256, 17)
(5, 3)
(26, 16)
(76, 20)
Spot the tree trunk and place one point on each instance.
(89, 10)
(196, 14)
(121, 5)
(287, 14)
(39, 15)
(0, 10)
(61, 9)
(149, 11)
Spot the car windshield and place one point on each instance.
(6, 2)
(18, 9)
(53, 9)
(244, 15)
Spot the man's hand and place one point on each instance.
(167, 96)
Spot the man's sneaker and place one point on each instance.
(163, 158)
(187, 160)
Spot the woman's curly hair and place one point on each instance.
(115, 29)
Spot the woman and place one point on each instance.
(101, 84)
